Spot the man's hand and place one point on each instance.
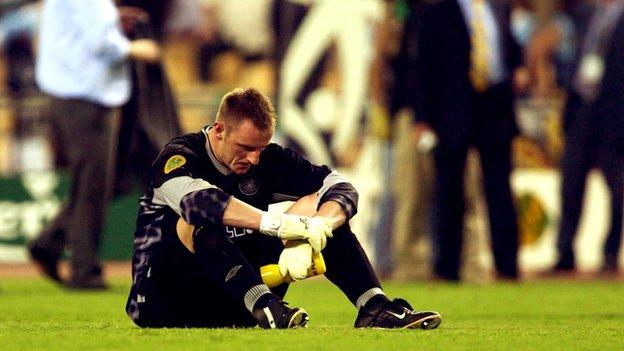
(320, 227)
(146, 50)
(315, 230)
(424, 136)
(296, 259)
(419, 128)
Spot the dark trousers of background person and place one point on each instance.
(493, 142)
(81, 136)
(586, 148)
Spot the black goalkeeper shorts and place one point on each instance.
(174, 291)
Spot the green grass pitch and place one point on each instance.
(537, 315)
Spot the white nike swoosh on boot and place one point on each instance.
(399, 316)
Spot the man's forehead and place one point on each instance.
(247, 134)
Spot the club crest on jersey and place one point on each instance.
(174, 162)
(248, 186)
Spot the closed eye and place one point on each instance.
(249, 148)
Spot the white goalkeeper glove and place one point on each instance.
(295, 260)
(320, 226)
(285, 226)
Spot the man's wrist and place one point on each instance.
(270, 223)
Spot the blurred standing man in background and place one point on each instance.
(594, 125)
(82, 66)
(467, 61)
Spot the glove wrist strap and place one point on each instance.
(270, 223)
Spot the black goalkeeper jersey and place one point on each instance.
(186, 181)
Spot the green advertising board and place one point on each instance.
(30, 200)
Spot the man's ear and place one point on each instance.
(219, 129)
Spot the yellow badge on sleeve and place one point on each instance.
(174, 162)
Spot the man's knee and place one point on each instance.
(185, 234)
(305, 206)
(200, 238)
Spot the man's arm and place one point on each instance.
(330, 207)
(103, 33)
(200, 203)
(425, 68)
(308, 206)
(337, 190)
(242, 215)
(236, 214)
(333, 212)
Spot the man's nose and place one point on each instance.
(254, 157)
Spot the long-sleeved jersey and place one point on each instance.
(187, 181)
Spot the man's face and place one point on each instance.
(240, 146)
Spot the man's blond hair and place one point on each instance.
(246, 104)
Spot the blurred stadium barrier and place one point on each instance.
(30, 200)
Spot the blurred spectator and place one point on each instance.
(387, 41)
(594, 124)
(156, 10)
(241, 26)
(18, 20)
(467, 62)
(81, 66)
(183, 17)
(556, 35)
(403, 204)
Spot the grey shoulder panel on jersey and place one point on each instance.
(338, 188)
(171, 192)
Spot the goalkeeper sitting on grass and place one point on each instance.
(203, 231)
